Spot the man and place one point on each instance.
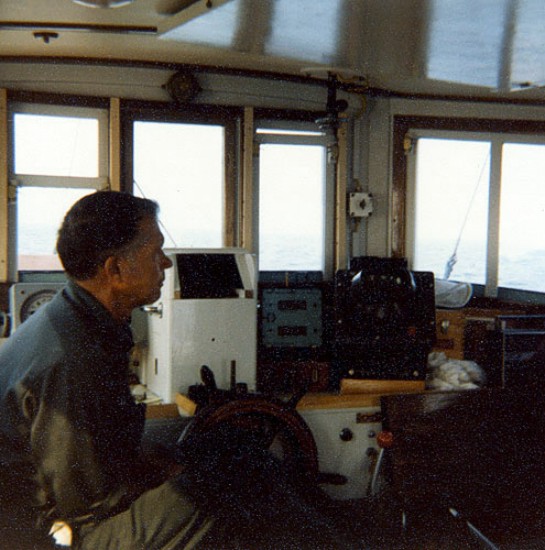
(70, 431)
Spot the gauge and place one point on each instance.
(36, 301)
(26, 298)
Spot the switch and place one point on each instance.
(360, 205)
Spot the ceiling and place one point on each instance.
(459, 48)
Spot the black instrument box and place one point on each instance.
(385, 320)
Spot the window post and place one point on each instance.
(4, 187)
(493, 236)
(341, 255)
(115, 145)
(247, 205)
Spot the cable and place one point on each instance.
(161, 224)
(451, 262)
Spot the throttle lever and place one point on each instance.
(296, 397)
(208, 378)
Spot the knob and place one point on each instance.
(346, 434)
(154, 310)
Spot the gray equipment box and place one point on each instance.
(291, 317)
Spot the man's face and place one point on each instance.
(143, 266)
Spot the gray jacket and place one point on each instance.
(70, 430)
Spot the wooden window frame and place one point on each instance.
(229, 118)
(402, 127)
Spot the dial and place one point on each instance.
(35, 301)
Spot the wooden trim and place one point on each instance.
(50, 98)
(4, 187)
(185, 406)
(309, 402)
(319, 401)
(230, 237)
(460, 124)
(162, 410)
(246, 196)
(380, 387)
(168, 111)
(115, 145)
(402, 124)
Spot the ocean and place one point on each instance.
(523, 271)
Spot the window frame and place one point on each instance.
(292, 137)
(52, 106)
(34, 180)
(229, 118)
(496, 132)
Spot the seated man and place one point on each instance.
(70, 431)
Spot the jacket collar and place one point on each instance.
(118, 334)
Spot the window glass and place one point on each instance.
(181, 166)
(40, 211)
(291, 207)
(56, 145)
(522, 226)
(59, 155)
(451, 208)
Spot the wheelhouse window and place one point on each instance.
(451, 208)
(521, 258)
(292, 199)
(182, 167)
(479, 209)
(59, 155)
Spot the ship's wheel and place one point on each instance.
(230, 425)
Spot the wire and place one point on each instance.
(451, 262)
(161, 224)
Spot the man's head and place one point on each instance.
(97, 226)
(110, 243)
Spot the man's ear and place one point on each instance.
(112, 268)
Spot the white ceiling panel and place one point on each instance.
(486, 48)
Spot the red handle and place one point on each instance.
(385, 440)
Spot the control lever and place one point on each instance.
(385, 440)
(208, 378)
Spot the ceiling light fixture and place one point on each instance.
(103, 3)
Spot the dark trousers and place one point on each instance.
(248, 505)
(229, 498)
(266, 513)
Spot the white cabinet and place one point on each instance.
(347, 445)
(207, 315)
